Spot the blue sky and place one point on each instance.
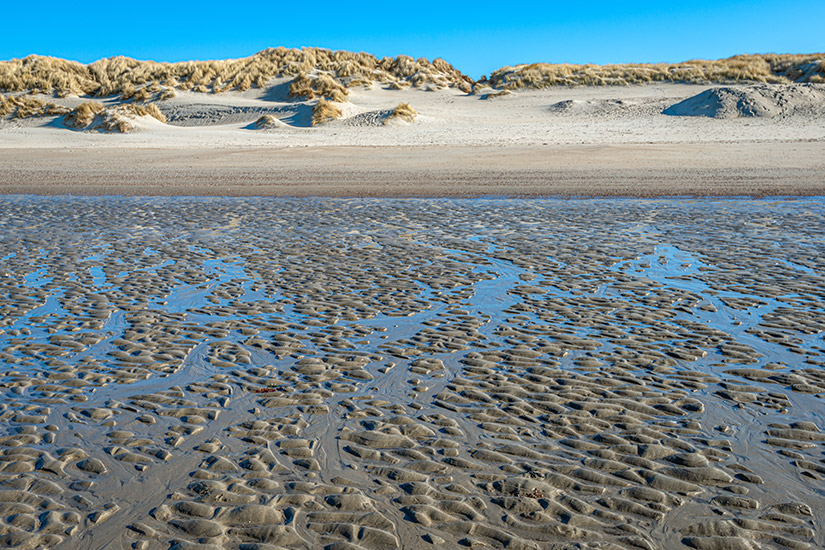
(476, 37)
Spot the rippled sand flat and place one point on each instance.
(325, 373)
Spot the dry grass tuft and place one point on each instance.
(143, 110)
(324, 73)
(28, 107)
(122, 75)
(167, 93)
(324, 111)
(323, 86)
(404, 111)
(83, 115)
(492, 95)
(93, 116)
(769, 68)
(121, 118)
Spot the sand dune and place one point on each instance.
(737, 69)
(753, 101)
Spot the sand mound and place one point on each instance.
(120, 119)
(370, 119)
(754, 101)
(402, 114)
(269, 122)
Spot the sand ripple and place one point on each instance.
(341, 374)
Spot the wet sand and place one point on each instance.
(252, 373)
(776, 168)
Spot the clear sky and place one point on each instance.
(476, 37)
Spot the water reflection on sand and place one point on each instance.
(385, 373)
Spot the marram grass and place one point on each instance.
(323, 86)
(404, 111)
(83, 115)
(324, 111)
(22, 106)
(769, 68)
(324, 73)
(94, 116)
(122, 75)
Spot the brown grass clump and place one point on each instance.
(167, 93)
(324, 111)
(121, 118)
(404, 111)
(28, 107)
(338, 69)
(323, 86)
(94, 116)
(83, 115)
(143, 110)
(117, 75)
(769, 68)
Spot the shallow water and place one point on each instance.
(396, 373)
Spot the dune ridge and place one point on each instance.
(119, 75)
(765, 68)
(322, 72)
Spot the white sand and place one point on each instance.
(613, 140)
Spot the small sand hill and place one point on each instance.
(118, 119)
(268, 122)
(754, 101)
(401, 115)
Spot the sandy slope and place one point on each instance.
(614, 140)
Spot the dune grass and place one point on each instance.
(404, 111)
(119, 75)
(83, 115)
(92, 115)
(28, 107)
(324, 111)
(769, 68)
(323, 86)
(329, 73)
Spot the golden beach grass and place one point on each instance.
(323, 86)
(404, 111)
(324, 111)
(770, 68)
(116, 75)
(26, 107)
(83, 115)
(113, 119)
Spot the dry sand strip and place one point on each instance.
(693, 169)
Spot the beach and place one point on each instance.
(641, 170)
(374, 304)
(585, 141)
(265, 373)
